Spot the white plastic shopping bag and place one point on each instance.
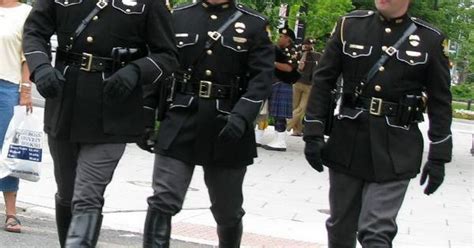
(22, 150)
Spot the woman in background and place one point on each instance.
(15, 89)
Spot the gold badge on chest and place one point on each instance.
(240, 27)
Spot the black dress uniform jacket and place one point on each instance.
(79, 114)
(190, 128)
(373, 147)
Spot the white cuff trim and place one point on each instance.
(441, 141)
(159, 69)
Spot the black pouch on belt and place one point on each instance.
(410, 110)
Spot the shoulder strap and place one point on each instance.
(101, 4)
(213, 37)
(389, 52)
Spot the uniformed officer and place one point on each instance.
(375, 146)
(280, 102)
(226, 60)
(107, 50)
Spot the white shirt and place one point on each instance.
(11, 32)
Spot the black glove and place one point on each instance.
(49, 81)
(312, 151)
(121, 84)
(434, 171)
(148, 140)
(234, 128)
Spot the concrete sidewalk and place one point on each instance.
(285, 200)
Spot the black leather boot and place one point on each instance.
(84, 230)
(63, 218)
(157, 230)
(229, 237)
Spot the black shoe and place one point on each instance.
(230, 237)
(84, 230)
(157, 229)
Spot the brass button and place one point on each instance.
(95, 18)
(90, 39)
(208, 72)
(384, 48)
(378, 88)
(209, 52)
(381, 68)
(213, 17)
(388, 30)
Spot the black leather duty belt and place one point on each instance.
(377, 106)
(85, 61)
(205, 89)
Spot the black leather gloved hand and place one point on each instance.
(312, 151)
(148, 140)
(234, 129)
(49, 81)
(121, 84)
(434, 172)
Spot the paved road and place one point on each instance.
(39, 231)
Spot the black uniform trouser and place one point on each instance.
(367, 209)
(83, 171)
(171, 178)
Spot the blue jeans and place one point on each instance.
(9, 96)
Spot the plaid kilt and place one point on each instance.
(281, 100)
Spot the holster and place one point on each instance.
(122, 55)
(166, 96)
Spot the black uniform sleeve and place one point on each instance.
(324, 80)
(38, 29)
(260, 62)
(162, 60)
(439, 105)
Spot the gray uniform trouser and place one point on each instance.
(83, 171)
(171, 179)
(365, 209)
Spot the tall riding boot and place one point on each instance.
(157, 230)
(229, 237)
(84, 230)
(278, 143)
(63, 219)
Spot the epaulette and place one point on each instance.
(184, 6)
(360, 13)
(249, 11)
(424, 24)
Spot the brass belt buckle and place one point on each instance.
(375, 106)
(205, 89)
(86, 62)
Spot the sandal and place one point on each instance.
(12, 225)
